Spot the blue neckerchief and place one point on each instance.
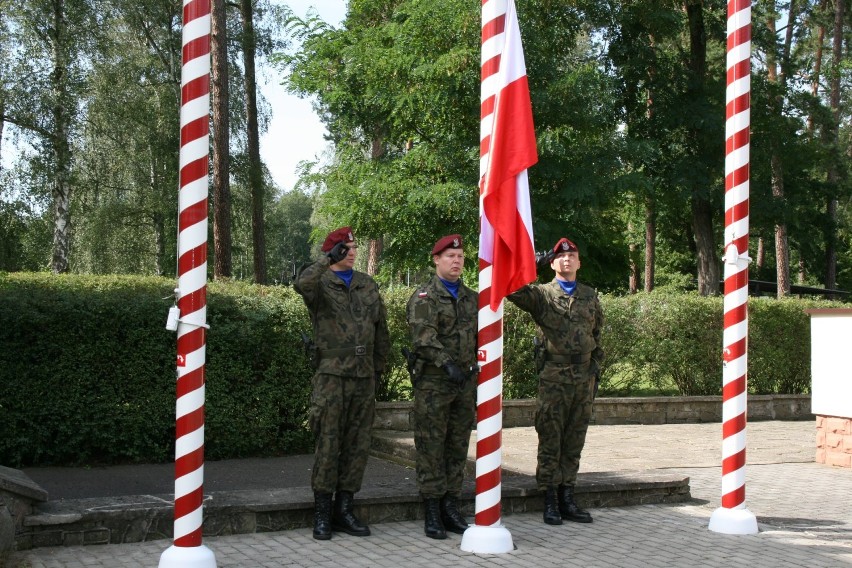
(345, 275)
(568, 287)
(452, 287)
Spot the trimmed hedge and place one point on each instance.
(87, 369)
(673, 342)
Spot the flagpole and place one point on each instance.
(733, 517)
(189, 317)
(488, 535)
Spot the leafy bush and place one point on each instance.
(668, 343)
(397, 382)
(679, 341)
(779, 359)
(87, 368)
(673, 342)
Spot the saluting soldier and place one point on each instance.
(568, 318)
(352, 344)
(442, 317)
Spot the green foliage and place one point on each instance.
(288, 229)
(627, 102)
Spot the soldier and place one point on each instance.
(351, 348)
(568, 319)
(442, 317)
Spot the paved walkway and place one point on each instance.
(803, 510)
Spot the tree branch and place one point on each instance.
(26, 125)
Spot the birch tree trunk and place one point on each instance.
(61, 147)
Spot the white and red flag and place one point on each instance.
(507, 149)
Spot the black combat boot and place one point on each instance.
(434, 528)
(568, 509)
(551, 507)
(450, 515)
(322, 516)
(344, 519)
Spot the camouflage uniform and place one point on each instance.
(351, 334)
(443, 329)
(570, 328)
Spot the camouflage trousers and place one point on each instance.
(342, 413)
(561, 421)
(444, 416)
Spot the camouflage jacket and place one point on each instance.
(569, 325)
(443, 328)
(350, 323)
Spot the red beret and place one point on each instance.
(564, 245)
(450, 241)
(341, 235)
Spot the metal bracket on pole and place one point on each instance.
(732, 256)
(174, 313)
(191, 321)
(174, 317)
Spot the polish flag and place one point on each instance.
(507, 149)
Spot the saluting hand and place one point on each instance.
(338, 252)
(544, 258)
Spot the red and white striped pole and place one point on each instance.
(733, 517)
(488, 535)
(191, 292)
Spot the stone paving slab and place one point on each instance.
(637, 447)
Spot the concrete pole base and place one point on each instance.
(733, 521)
(188, 557)
(487, 540)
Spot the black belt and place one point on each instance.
(574, 359)
(429, 369)
(358, 350)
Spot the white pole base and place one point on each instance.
(188, 557)
(733, 521)
(487, 540)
